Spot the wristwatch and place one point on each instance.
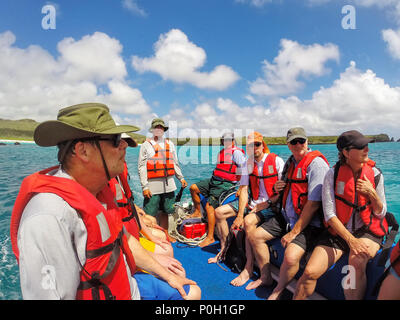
(269, 203)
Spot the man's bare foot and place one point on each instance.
(206, 242)
(241, 279)
(195, 214)
(259, 282)
(215, 259)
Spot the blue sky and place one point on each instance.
(207, 65)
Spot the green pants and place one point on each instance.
(212, 189)
(164, 202)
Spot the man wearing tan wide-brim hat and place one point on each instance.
(66, 229)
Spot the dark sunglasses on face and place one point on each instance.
(297, 140)
(115, 140)
(358, 148)
(256, 144)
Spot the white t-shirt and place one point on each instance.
(244, 181)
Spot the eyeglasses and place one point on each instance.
(298, 140)
(257, 144)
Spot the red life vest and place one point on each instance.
(269, 176)
(395, 258)
(161, 165)
(123, 196)
(104, 275)
(297, 180)
(348, 203)
(226, 167)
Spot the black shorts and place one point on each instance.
(307, 239)
(337, 242)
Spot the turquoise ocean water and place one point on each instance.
(16, 162)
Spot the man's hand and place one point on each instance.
(238, 223)
(178, 282)
(279, 186)
(288, 238)
(184, 183)
(147, 193)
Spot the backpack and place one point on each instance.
(234, 254)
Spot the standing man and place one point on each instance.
(66, 229)
(157, 165)
(300, 221)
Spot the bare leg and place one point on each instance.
(258, 240)
(321, 259)
(288, 270)
(246, 273)
(221, 214)
(359, 262)
(195, 193)
(211, 226)
(250, 224)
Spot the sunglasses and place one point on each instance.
(115, 140)
(358, 148)
(257, 144)
(298, 140)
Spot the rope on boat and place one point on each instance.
(175, 220)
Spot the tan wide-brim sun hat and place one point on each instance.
(79, 121)
(129, 140)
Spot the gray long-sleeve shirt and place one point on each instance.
(52, 245)
(157, 185)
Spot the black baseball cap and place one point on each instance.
(352, 138)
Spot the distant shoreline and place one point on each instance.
(13, 141)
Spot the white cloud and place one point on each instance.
(255, 3)
(357, 100)
(392, 38)
(179, 60)
(133, 7)
(294, 61)
(34, 84)
(95, 57)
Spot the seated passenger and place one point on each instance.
(299, 222)
(354, 209)
(225, 176)
(263, 169)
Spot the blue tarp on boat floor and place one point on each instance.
(212, 279)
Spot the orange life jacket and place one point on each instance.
(104, 275)
(296, 179)
(226, 167)
(269, 176)
(348, 202)
(162, 163)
